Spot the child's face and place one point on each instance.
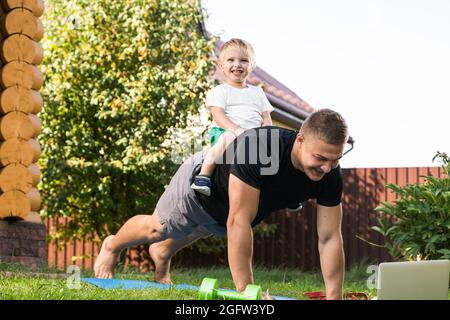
(236, 66)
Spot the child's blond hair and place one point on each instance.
(241, 45)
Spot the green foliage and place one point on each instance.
(418, 223)
(120, 76)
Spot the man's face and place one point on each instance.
(317, 157)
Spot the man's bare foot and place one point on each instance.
(106, 260)
(162, 266)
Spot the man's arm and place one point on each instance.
(244, 201)
(331, 249)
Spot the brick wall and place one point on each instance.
(23, 242)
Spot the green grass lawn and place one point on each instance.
(19, 283)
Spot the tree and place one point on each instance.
(120, 78)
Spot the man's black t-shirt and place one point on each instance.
(262, 159)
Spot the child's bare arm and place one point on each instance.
(222, 120)
(266, 119)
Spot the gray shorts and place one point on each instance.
(179, 210)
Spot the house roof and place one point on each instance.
(275, 88)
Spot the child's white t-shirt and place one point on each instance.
(242, 106)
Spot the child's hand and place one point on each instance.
(239, 131)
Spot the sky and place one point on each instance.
(383, 64)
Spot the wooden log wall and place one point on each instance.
(20, 103)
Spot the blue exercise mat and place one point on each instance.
(134, 284)
(140, 284)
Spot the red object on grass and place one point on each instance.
(320, 295)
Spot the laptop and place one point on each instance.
(413, 280)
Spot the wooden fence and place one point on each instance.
(294, 243)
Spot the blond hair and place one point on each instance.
(327, 125)
(241, 45)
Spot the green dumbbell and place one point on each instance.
(209, 290)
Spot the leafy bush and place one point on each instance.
(120, 76)
(418, 223)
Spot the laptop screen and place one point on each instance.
(413, 280)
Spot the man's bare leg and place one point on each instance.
(162, 253)
(137, 230)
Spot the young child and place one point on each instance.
(235, 106)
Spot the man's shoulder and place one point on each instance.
(272, 128)
(265, 141)
(268, 135)
(282, 132)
